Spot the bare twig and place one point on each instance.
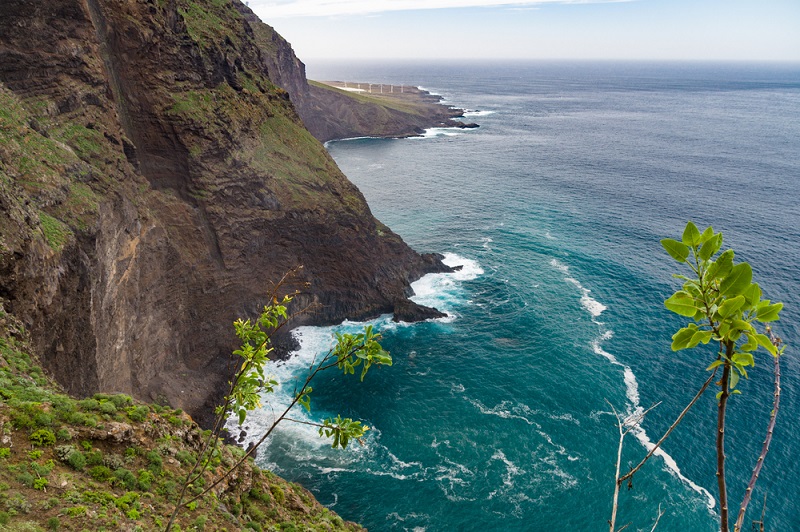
(633, 471)
(776, 402)
(630, 422)
(658, 518)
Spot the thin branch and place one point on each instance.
(301, 422)
(615, 504)
(660, 513)
(652, 451)
(776, 403)
(631, 422)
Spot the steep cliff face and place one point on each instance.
(154, 182)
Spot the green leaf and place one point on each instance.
(751, 344)
(769, 313)
(743, 359)
(676, 250)
(708, 233)
(764, 341)
(722, 266)
(730, 306)
(691, 235)
(682, 338)
(737, 280)
(710, 246)
(752, 294)
(682, 303)
(700, 336)
(734, 380)
(715, 364)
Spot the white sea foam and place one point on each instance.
(443, 290)
(439, 132)
(595, 308)
(469, 114)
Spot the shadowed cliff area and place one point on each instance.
(155, 180)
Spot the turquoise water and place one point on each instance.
(496, 418)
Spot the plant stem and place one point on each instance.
(776, 402)
(721, 408)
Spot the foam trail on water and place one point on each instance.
(595, 309)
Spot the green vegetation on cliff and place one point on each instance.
(111, 463)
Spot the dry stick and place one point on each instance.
(776, 402)
(612, 523)
(633, 471)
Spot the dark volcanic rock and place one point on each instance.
(167, 184)
(409, 312)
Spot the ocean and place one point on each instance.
(498, 417)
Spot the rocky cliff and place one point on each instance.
(155, 180)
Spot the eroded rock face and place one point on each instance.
(171, 184)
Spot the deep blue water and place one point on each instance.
(496, 418)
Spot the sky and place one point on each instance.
(745, 30)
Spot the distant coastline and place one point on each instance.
(346, 109)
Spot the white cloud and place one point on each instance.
(270, 9)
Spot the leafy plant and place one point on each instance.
(43, 438)
(251, 382)
(725, 306)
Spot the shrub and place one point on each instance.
(77, 460)
(43, 438)
(40, 484)
(26, 479)
(137, 413)
(76, 511)
(19, 504)
(108, 408)
(101, 473)
(278, 493)
(94, 458)
(4, 518)
(125, 478)
(145, 480)
(185, 457)
(103, 498)
(44, 469)
(200, 523)
(113, 461)
(89, 404)
(155, 462)
(53, 523)
(34, 455)
(127, 501)
(63, 435)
